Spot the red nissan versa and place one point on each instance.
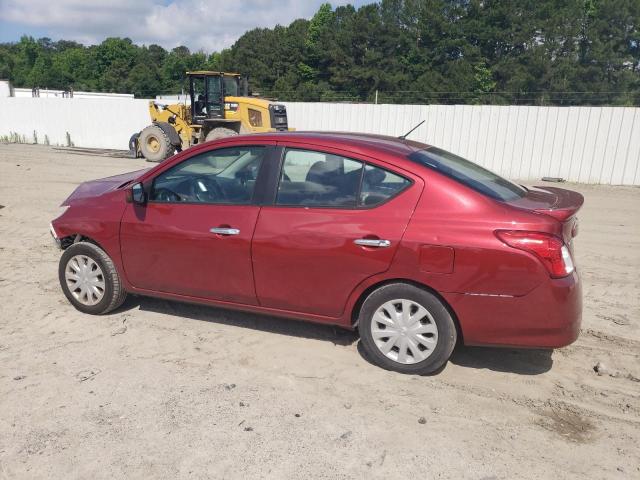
(414, 246)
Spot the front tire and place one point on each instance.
(89, 279)
(155, 144)
(406, 329)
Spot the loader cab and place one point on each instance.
(208, 91)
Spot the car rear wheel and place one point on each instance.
(406, 329)
(89, 279)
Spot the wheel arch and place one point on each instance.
(357, 306)
(69, 240)
(112, 251)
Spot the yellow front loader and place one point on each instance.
(217, 109)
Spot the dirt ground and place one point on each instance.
(166, 390)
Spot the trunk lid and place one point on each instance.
(558, 203)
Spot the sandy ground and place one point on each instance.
(166, 390)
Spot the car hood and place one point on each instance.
(556, 202)
(95, 188)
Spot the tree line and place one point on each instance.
(532, 52)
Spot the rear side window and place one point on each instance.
(318, 179)
(468, 173)
(379, 185)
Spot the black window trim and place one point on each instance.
(276, 185)
(259, 190)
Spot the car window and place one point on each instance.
(379, 185)
(318, 179)
(226, 175)
(468, 173)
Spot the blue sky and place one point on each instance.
(209, 25)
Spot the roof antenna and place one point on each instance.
(403, 137)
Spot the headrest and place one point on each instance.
(374, 176)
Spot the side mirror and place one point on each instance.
(138, 194)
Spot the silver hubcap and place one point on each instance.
(85, 279)
(404, 331)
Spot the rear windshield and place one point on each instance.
(468, 173)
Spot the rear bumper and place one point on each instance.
(547, 317)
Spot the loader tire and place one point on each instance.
(219, 132)
(134, 148)
(155, 144)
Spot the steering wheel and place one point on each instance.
(166, 195)
(206, 189)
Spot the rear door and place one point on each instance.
(336, 220)
(193, 237)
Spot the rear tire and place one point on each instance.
(134, 149)
(406, 329)
(85, 264)
(155, 144)
(219, 132)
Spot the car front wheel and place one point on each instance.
(406, 329)
(89, 279)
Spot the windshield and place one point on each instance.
(231, 86)
(468, 173)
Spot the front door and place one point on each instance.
(336, 221)
(193, 237)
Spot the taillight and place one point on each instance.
(551, 251)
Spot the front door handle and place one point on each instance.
(224, 231)
(372, 242)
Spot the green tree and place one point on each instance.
(541, 52)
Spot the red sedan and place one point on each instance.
(414, 246)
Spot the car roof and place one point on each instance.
(361, 142)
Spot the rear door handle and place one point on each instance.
(224, 231)
(372, 242)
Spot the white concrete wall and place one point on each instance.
(5, 88)
(91, 122)
(581, 144)
(46, 93)
(167, 99)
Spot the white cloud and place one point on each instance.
(199, 24)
